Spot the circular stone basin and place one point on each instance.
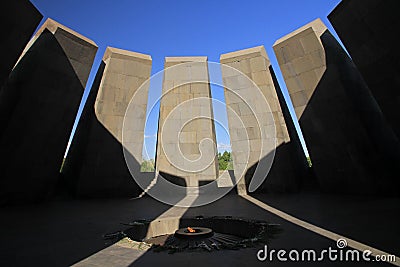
(209, 233)
(197, 232)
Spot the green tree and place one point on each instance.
(225, 161)
(309, 162)
(147, 165)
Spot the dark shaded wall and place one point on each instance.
(19, 19)
(294, 153)
(289, 171)
(350, 144)
(95, 165)
(368, 29)
(38, 105)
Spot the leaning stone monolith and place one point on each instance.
(38, 106)
(343, 127)
(368, 29)
(95, 165)
(19, 19)
(289, 164)
(186, 144)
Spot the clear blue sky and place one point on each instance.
(185, 28)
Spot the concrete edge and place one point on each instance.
(186, 59)
(53, 25)
(248, 52)
(317, 25)
(112, 50)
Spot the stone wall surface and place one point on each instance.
(19, 19)
(368, 31)
(186, 143)
(344, 130)
(253, 63)
(38, 105)
(96, 165)
(347, 108)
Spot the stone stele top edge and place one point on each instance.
(317, 25)
(186, 59)
(253, 50)
(112, 50)
(52, 26)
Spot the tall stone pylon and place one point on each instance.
(38, 105)
(19, 19)
(289, 164)
(343, 127)
(95, 165)
(186, 143)
(367, 29)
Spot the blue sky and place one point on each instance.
(185, 28)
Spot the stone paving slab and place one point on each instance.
(64, 233)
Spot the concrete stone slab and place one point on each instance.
(289, 163)
(367, 31)
(349, 142)
(19, 19)
(38, 105)
(77, 47)
(95, 165)
(185, 122)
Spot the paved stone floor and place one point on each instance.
(64, 233)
